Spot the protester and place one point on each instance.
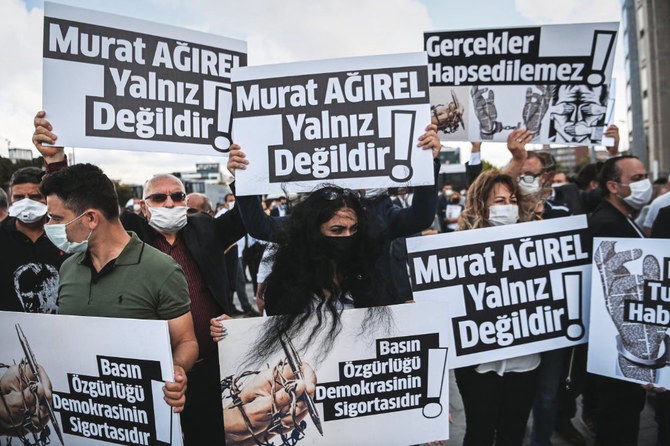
(3, 204)
(625, 188)
(560, 178)
(536, 175)
(325, 261)
(393, 221)
(442, 201)
(197, 202)
(497, 396)
(30, 262)
(241, 276)
(453, 211)
(660, 199)
(281, 209)
(197, 243)
(228, 204)
(661, 229)
(108, 262)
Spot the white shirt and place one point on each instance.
(520, 364)
(660, 202)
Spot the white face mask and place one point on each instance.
(530, 188)
(231, 205)
(640, 193)
(58, 236)
(167, 220)
(503, 214)
(27, 210)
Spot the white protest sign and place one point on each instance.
(630, 310)
(352, 122)
(106, 378)
(119, 83)
(383, 381)
(552, 80)
(510, 290)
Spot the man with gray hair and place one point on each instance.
(198, 243)
(197, 202)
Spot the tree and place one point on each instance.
(124, 192)
(7, 167)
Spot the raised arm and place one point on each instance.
(516, 144)
(257, 223)
(43, 135)
(420, 215)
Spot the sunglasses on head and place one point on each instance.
(160, 198)
(334, 194)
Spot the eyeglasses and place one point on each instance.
(529, 178)
(160, 198)
(191, 211)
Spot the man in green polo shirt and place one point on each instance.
(113, 273)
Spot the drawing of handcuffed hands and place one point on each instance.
(486, 112)
(619, 285)
(535, 107)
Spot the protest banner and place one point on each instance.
(552, 80)
(96, 379)
(382, 379)
(510, 290)
(630, 310)
(115, 82)
(352, 122)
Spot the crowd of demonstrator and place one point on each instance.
(68, 248)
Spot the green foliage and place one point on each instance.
(7, 168)
(487, 166)
(124, 192)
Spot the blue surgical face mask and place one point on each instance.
(58, 236)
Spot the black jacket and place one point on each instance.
(661, 227)
(394, 222)
(206, 239)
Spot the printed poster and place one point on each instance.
(352, 122)
(552, 80)
(114, 82)
(510, 290)
(382, 379)
(97, 385)
(630, 310)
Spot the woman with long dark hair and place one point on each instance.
(329, 257)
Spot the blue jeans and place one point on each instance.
(546, 401)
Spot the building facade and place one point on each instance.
(646, 33)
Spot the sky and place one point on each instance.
(276, 32)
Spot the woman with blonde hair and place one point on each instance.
(497, 396)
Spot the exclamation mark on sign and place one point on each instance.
(224, 119)
(603, 42)
(403, 127)
(572, 290)
(218, 96)
(437, 364)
